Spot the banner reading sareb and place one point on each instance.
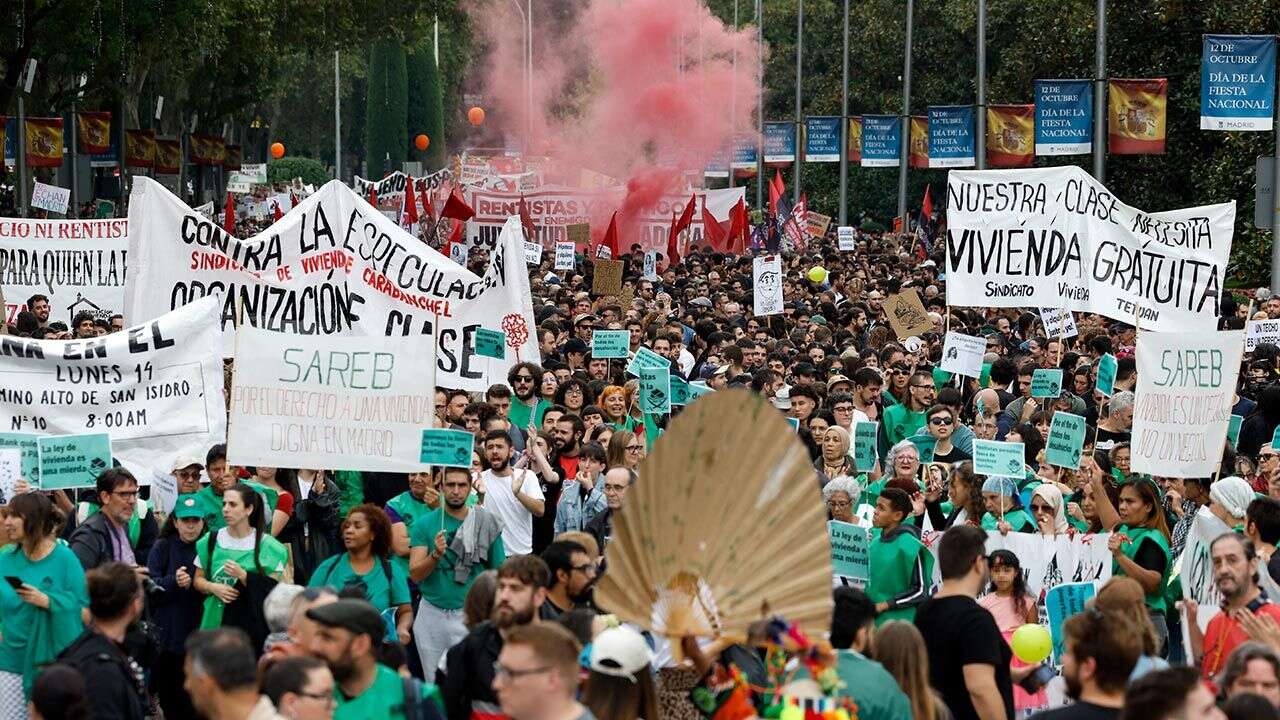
(332, 266)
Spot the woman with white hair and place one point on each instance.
(840, 495)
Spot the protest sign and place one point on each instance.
(1275, 438)
(816, 224)
(962, 354)
(325, 402)
(1195, 568)
(925, 445)
(78, 264)
(1046, 383)
(164, 492)
(1233, 430)
(10, 472)
(1042, 236)
(849, 556)
(906, 314)
(610, 343)
(155, 388)
(1047, 561)
(73, 461)
(766, 285)
(794, 422)
(1186, 389)
(391, 186)
(697, 389)
(655, 389)
(1061, 602)
(608, 277)
(1000, 459)
(564, 256)
(106, 209)
(332, 268)
(50, 197)
(579, 234)
(28, 447)
(446, 448)
(1065, 441)
(1058, 323)
(651, 265)
(646, 358)
(680, 394)
(491, 343)
(1261, 331)
(865, 451)
(254, 172)
(1107, 367)
(845, 240)
(532, 253)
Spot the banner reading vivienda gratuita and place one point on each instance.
(325, 402)
(1186, 389)
(332, 266)
(78, 264)
(1055, 237)
(155, 388)
(1238, 82)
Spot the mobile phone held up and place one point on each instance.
(1038, 678)
(14, 582)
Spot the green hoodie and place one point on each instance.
(901, 571)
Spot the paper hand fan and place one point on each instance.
(724, 526)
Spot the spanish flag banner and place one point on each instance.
(1136, 112)
(168, 157)
(855, 139)
(44, 142)
(919, 157)
(233, 159)
(94, 132)
(1011, 134)
(216, 149)
(139, 148)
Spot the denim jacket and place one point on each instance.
(573, 512)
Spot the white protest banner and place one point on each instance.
(564, 256)
(766, 284)
(1261, 331)
(253, 172)
(1038, 237)
(1195, 567)
(844, 238)
(393, 185)
(1046, 561)
(50, 197)
(1058, 323)
(962, 354)
(78, 264)
(1186, 388)
(327, 402)
(155, 388)
(332, 267)
(206, 209)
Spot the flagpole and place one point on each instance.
(904, 147)
(337, 117)
(844, 122)
(75, 165)
(22, 156)
(759, 104)
(799, 83)
(980, 122)
(1100, 94)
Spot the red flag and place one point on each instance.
(739, 228)
(409, 212)
(926, 207)
(611, 237)
(679, 226)
(776, 190)
(712, 230)
(229, 218)
(276, 211)
(673, 253)
(293, 200)
(428, 211)
(457, 208)
(526, 221)
(373, 195)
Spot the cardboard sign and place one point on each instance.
(844, 239)
(579, 234)
(766, 285)
(1061, 602)
(1046, 383)
(608, 278)
(1058, 323)
(865, 452)
(564, 256)
(999, 459)
(491, 343)
(962, 354)
(532, 253)
(680, 394)
(849, 544)
(50, 197)
(73, 461)
(1065, 441)
(655, 390)
(907, 315)
(1106, 375)
(610, 344)
(447, 448)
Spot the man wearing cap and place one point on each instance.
(349, 634)
(584, 325)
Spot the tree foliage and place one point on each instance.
(426, 105)
(386, 115)
(288, 168)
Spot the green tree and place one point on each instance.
(386, 111)
(287, 168)
(426, 105)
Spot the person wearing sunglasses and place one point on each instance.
(525, 379)
(942, 426)
(903, 420)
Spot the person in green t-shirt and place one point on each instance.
(404, 510)
(221, 476)
(902, 421)
(525, 379)
(901, 567)
(238, 559)
(347, 638)
(444, 571)
(365, 565)
(1004, 511)
(1139, 542)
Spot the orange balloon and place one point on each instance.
(277, 150)
(421, 142)
(475, 115)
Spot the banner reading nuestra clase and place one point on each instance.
(1043, 236)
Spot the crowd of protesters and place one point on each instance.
(467, 592)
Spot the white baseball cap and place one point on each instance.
(620, 652)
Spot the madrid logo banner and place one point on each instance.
(333, 265)
(1238, 82)
(1064, 117)
(1055, 237)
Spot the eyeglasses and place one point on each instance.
(838, 504)
(125, 493)
(1265, 457)
(524, 378)
(325, 698)
(896, 371)
(587, 569)
(634, 448)
(502, 672)
(187, 474)
(941, 421)
(922, 387)
(843, 408)
(1041, 508)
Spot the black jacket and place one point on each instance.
(601, 528)
(114, 683)
(466, 682)
(93, 544)
(312, 531)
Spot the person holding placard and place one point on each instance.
(1139, 543)
(1004, 510)
(964, 495)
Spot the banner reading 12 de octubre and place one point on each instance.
(1238, 82)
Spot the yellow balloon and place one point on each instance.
(1031, 643)
(817, 273)
(791, 712)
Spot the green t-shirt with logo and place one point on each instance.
(271, 554)
(520, 412)
(439, 588)
(29, 633)
(383, 699)
(381, 591)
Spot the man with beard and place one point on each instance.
(1235, 573)
(466, 680)
(567, 434)
(573, 570)
(39, 306)
(348, 638)
(443, 568)
(525, 378)
(514, 495)
(1099, 652)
